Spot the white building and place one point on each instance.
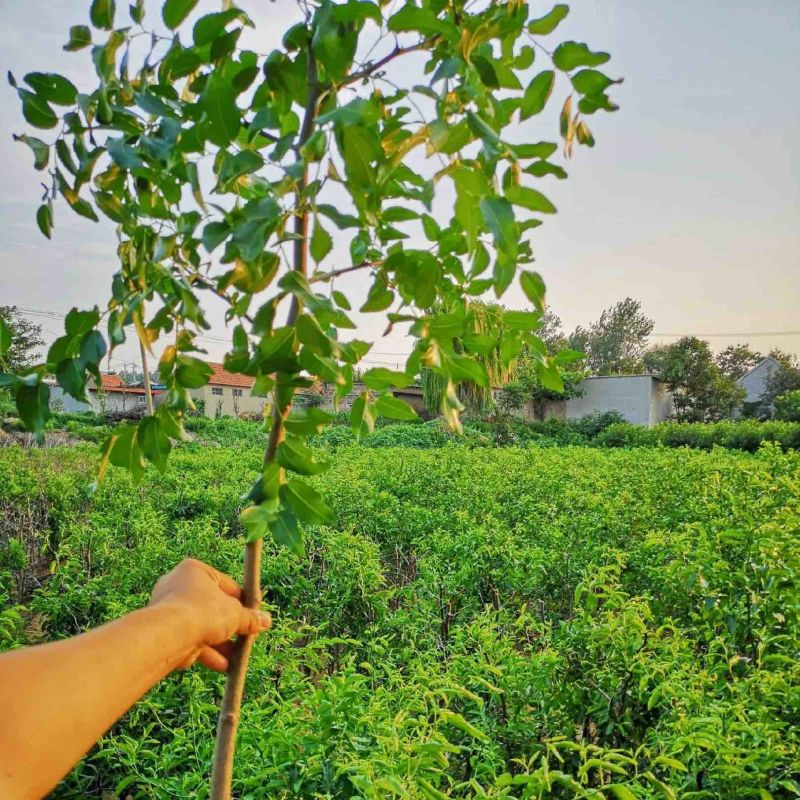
(641, 399)
(113, 395)
(754, 382)
(228, 394)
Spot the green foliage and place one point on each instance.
(616, 343)
(700, 391)
(787, 406)
(282, 140)
(20, 341)
(514, 623)
(739, 435)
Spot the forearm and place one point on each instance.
(98, 677)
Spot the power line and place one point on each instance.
(743, 334)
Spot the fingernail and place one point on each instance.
(264, 619)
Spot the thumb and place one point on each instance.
(252, 622)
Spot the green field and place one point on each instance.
(522, 623)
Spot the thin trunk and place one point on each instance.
(222, 770)
(148, 392)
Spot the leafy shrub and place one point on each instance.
(739, 435)
(787, 406)
(542, 617)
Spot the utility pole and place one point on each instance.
(148, 392)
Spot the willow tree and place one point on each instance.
(226, 171)
(485, 328)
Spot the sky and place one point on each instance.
(690, 201)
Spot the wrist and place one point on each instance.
(181, 621)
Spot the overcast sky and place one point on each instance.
(690, 202)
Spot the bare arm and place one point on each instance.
(56, 700)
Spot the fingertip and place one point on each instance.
(213, 659)
(264, 620)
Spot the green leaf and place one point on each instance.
(176, 11)
(218, 101)
(394, 408)
(463, 368)
(621, 792)
(123, 154)
(306, 503)
(285, 532)
(154, 442)
(307, 421)
(590, 81)
(499, 218)
(549, 376)
(521, 320)
(210, 26)
(41, 152)
(541, 168)
(192, 372)
(214, 234)
(79, 323)
(530, 199)
(549, 22)
(471, 185)
(33, 407)
(569, 55)
(380, 378)
(36, 110)
(458, 721)
(362, 415)
(102, 14)
(137, 11)
(337, 217)
(256, 520)
(421, 20)
(533, 286)
(79, 37)
(294, 455)
(448, 138)
(359, 149)
(536, 150)
(52, 87)
(321, 242)
(5, 337)
(537, 94)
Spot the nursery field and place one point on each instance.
(557, 622)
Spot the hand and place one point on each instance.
(210, 603)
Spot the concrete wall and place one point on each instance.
(755, 381)
(109, 401)
(639, 398)
(225, 404)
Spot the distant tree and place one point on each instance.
(526, 385)
(25, 340)
(485, 322)
(782, 381)
(737, 359)
(616, 343)
(786, 360)
(700, 391)
(787, 406)
(552, 333)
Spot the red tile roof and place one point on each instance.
(110, 382)
(221, 377)
(113, 383)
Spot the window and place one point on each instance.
(216, 390)
(237, 392)
(141, 399)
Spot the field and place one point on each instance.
(519, 622)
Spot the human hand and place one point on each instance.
(210, 604)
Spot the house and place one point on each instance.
(641, 399)
(112, 395)
(228, 394)
(754, 382)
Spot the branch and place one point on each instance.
(354, 77)
(335, 273)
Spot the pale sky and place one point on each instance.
(690, 202)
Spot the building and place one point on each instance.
(641, 399)
(754, 382)
(228, 394)
(112, 395)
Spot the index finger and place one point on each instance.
(226, 583)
